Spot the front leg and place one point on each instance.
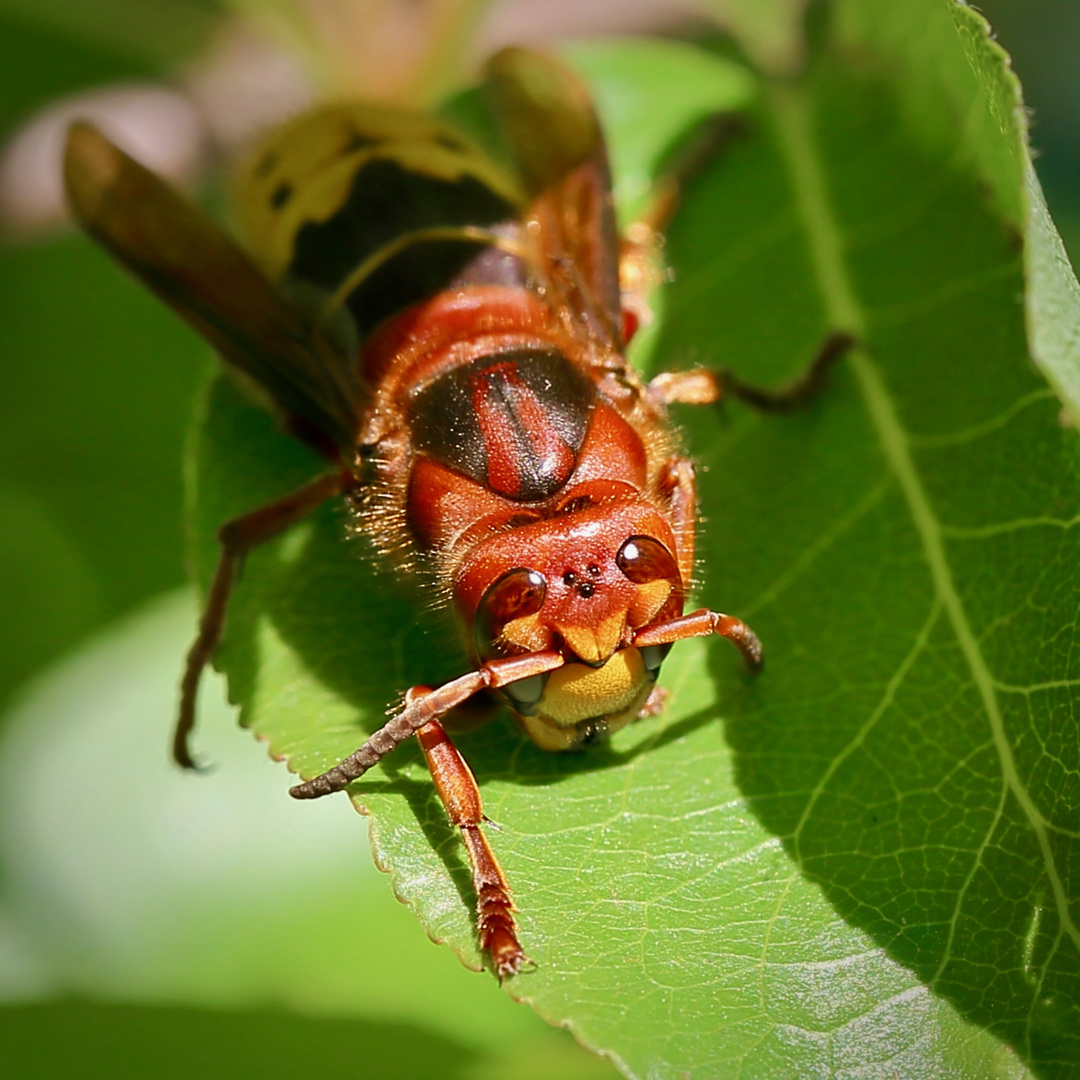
(456, 785)
(703, 623)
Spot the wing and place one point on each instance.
(555, 136)
(186, 259)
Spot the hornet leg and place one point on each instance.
(703, 623)
(237, 537)
(705, 386)
(421, 708)
(460, 795)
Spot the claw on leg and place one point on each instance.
(460, 795)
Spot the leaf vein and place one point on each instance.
(795, 129)
(895, 315)
(981, 532)
(1037, 688)
(823, 543)
(969, 877)
(859, 738)
(977, 431)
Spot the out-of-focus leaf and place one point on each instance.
(128, 880)
(127, 1042)
(769, 30)
(869, 869)
(98, 384)
(37, 66)
(46, 591)
(85, 1041)
(146, 31)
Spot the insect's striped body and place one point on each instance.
(450, 337)
(369, 208)
(485, 410)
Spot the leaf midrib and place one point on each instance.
(796, 137)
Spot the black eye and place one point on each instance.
(643, 559)
(516, 594)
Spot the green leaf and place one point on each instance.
(155, 33)
(126, 879)
(770, 31)
(863, 861)
(93, 418)
(44, 579)
(99, 381)
(126, 1042)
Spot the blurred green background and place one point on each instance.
(119, 950)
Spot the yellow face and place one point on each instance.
(587, 583)
(579, 704)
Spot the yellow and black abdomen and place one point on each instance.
(370, 209)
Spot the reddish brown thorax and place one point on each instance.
(528, 475)
(503, 415)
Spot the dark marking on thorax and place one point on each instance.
(514, 422)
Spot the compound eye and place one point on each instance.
(643, 559)
(516, 594)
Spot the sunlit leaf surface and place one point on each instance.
(862, 862)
